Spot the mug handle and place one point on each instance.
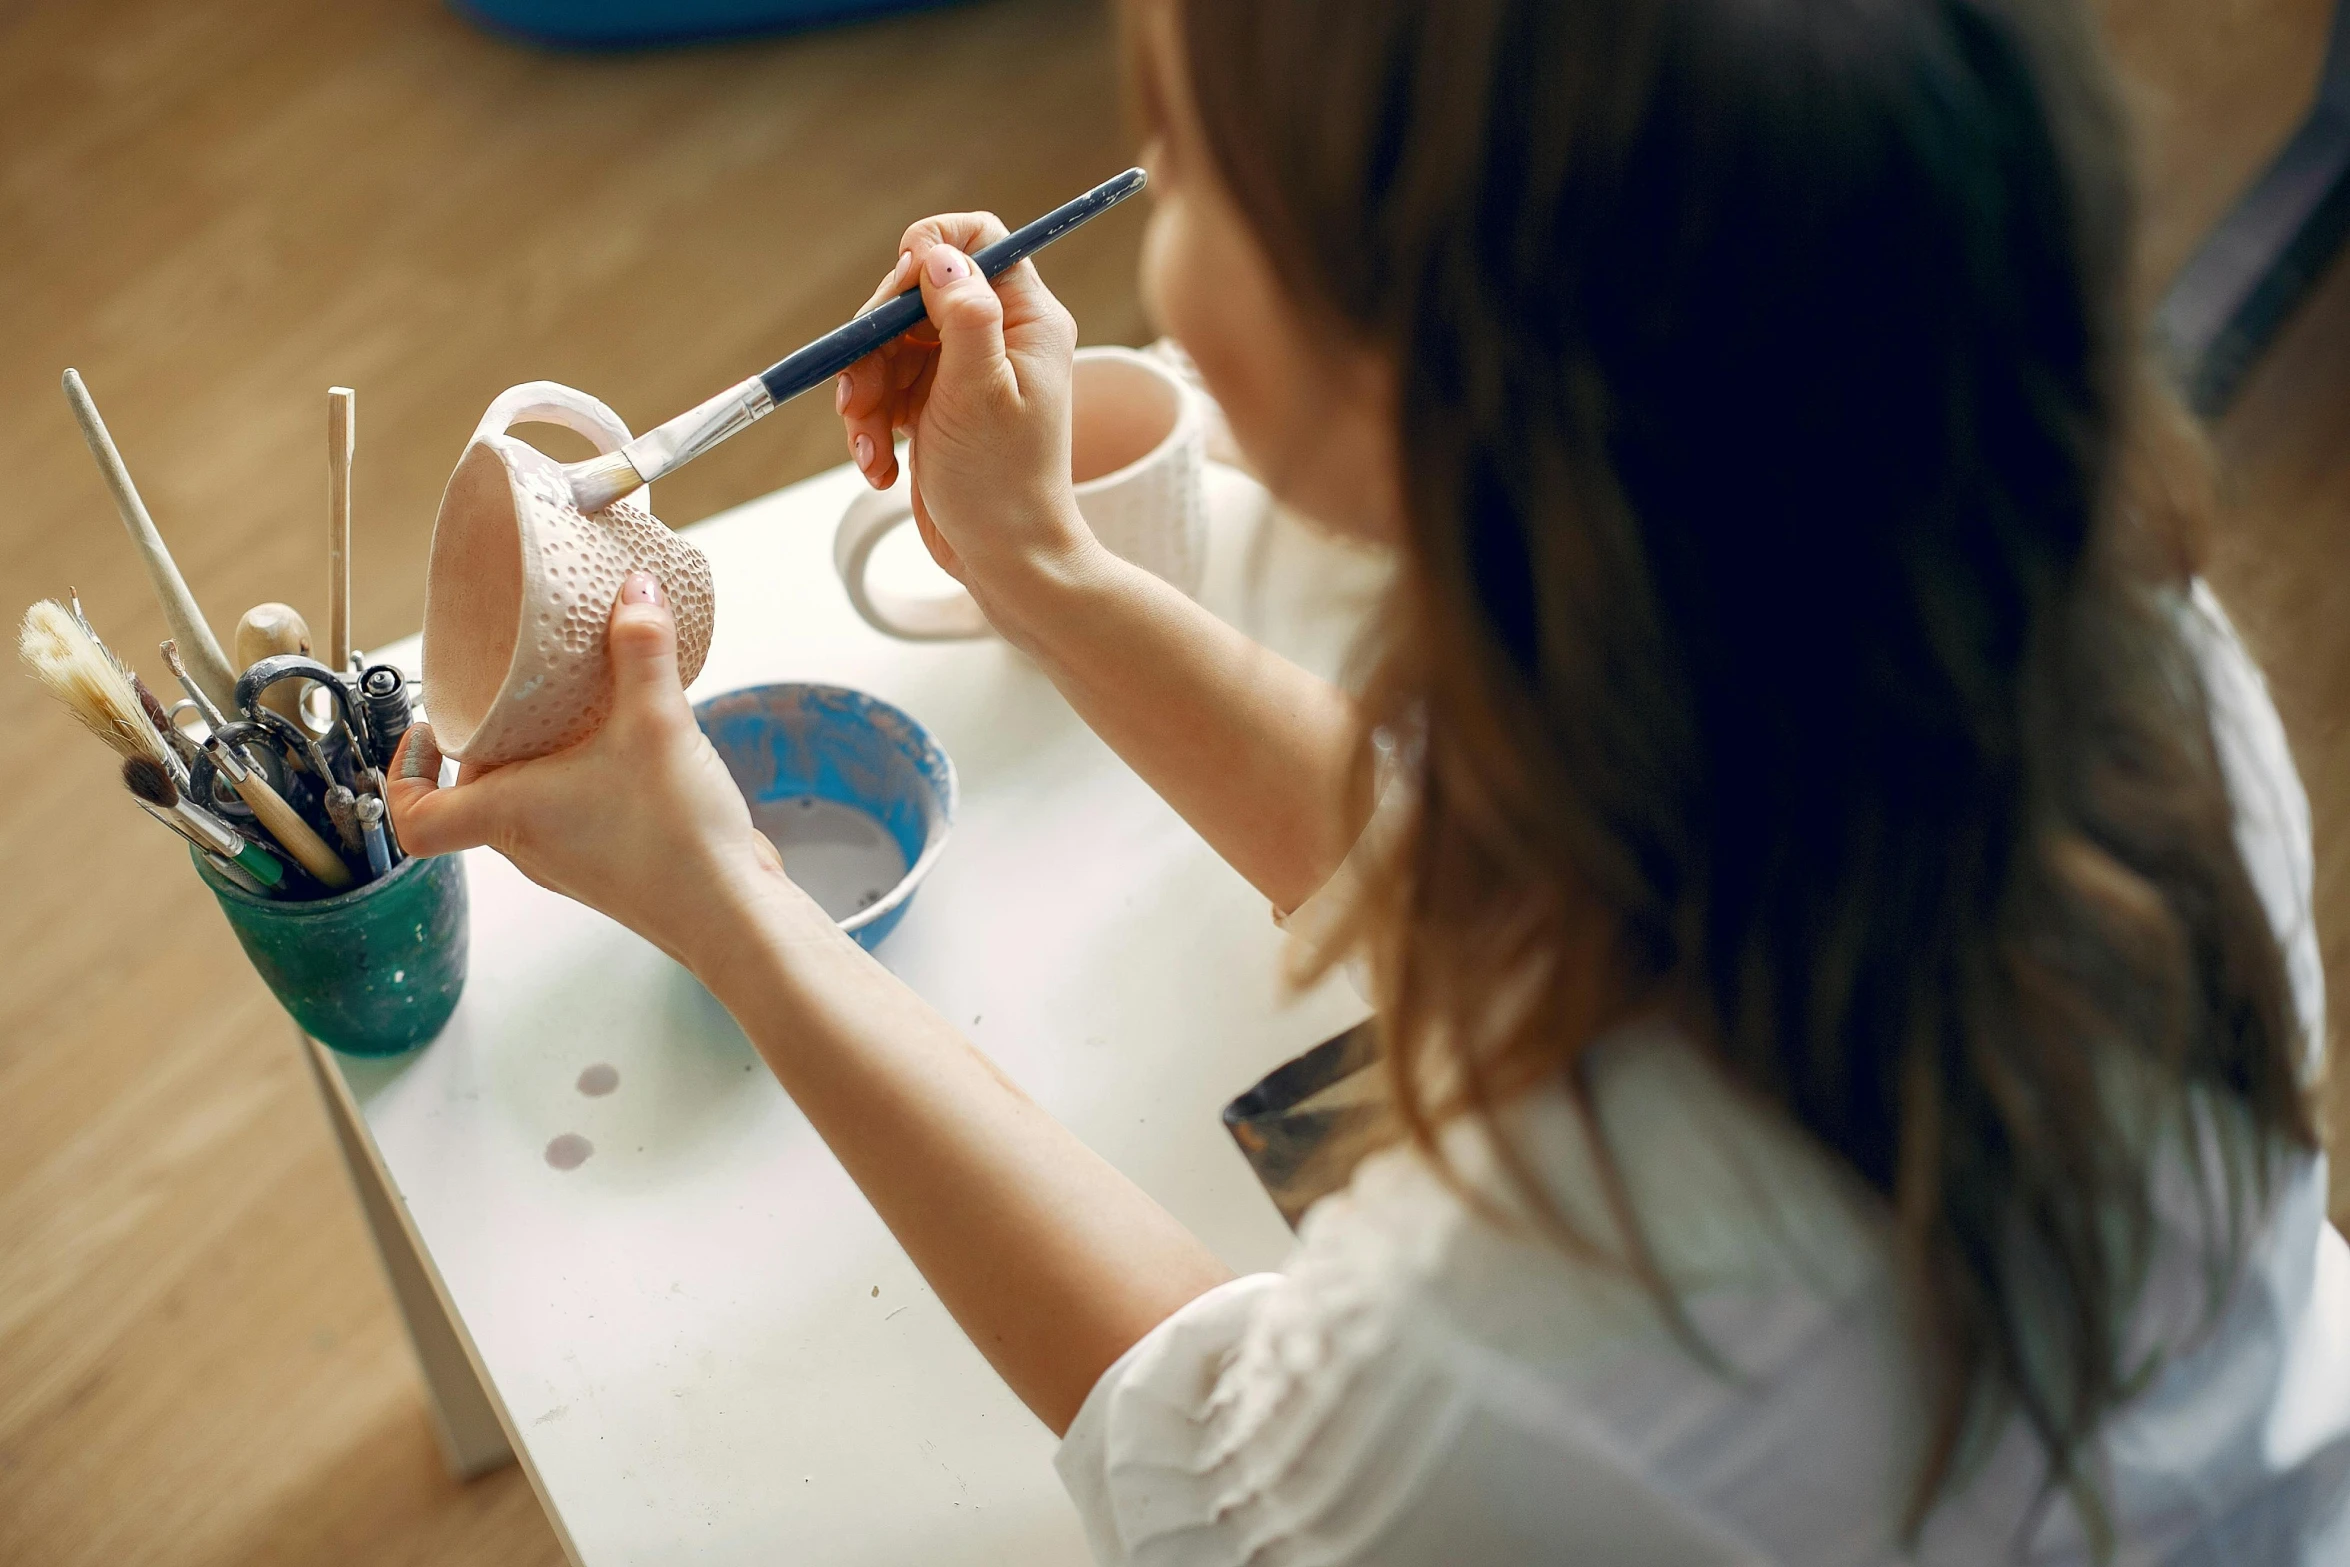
(551, 402)
(948, 617)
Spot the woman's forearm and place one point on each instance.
(1257, 754)
(1052, 1261)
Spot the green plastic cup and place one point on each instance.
(370, 972)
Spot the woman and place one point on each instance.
(1840, 914)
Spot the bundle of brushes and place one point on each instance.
(272, 839)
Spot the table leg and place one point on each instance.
(472, 1435)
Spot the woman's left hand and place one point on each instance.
(640, 820)
(983, 388)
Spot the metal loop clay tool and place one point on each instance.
(600, 481)
(294, 743)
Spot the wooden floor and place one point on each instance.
(217, 211)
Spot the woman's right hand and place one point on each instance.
(983, 388)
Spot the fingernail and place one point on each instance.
(840, 393)
(642, 587)
(422, 759)
(946, 265)
(897, 274)
(864, 450)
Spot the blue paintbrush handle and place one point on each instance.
(834, 352)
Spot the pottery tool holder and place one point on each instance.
(364, 947)
(377, 969)
(370, 971)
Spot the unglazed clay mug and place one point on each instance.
(521, 584)
(1136, 452)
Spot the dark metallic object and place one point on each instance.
(2228, 302)
(383, 694)
(1305, 1127)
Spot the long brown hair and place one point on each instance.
(1783, 592)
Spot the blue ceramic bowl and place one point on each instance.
(793, 746)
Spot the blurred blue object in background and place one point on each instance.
(613, 24)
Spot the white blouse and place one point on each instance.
(1421, 1384)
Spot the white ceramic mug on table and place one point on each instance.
(1136, 450)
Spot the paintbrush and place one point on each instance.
(183, 748)
(94, 687)
(180, 751)
(285, 824)
(154, 789)
(228, 870)
(188, 624)
(665, 448)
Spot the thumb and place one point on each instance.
(428, 819)
(643, 638)
(969, 317)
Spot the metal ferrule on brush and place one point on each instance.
(212, 837)
(198, 826)
(226, 759)
(596, 485)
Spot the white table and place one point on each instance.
(681, 1339)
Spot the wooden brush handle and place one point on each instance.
(285, 824)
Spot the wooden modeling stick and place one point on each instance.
(285, 824)
(275, 628)
(342, 433)
(206, 663)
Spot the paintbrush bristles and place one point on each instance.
(80, 673)
(146, 778)
(599, 481)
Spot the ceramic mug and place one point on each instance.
(521, 583)
(1136, 452)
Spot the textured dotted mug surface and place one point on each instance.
(370, 972)
(521, 584)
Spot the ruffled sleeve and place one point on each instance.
(1155, 1387)
(1254, 1427)
(2271, 808)
(1337, 1412)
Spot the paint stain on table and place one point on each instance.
(599, 1080)
(569, 1151)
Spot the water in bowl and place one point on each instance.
(835, 853)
